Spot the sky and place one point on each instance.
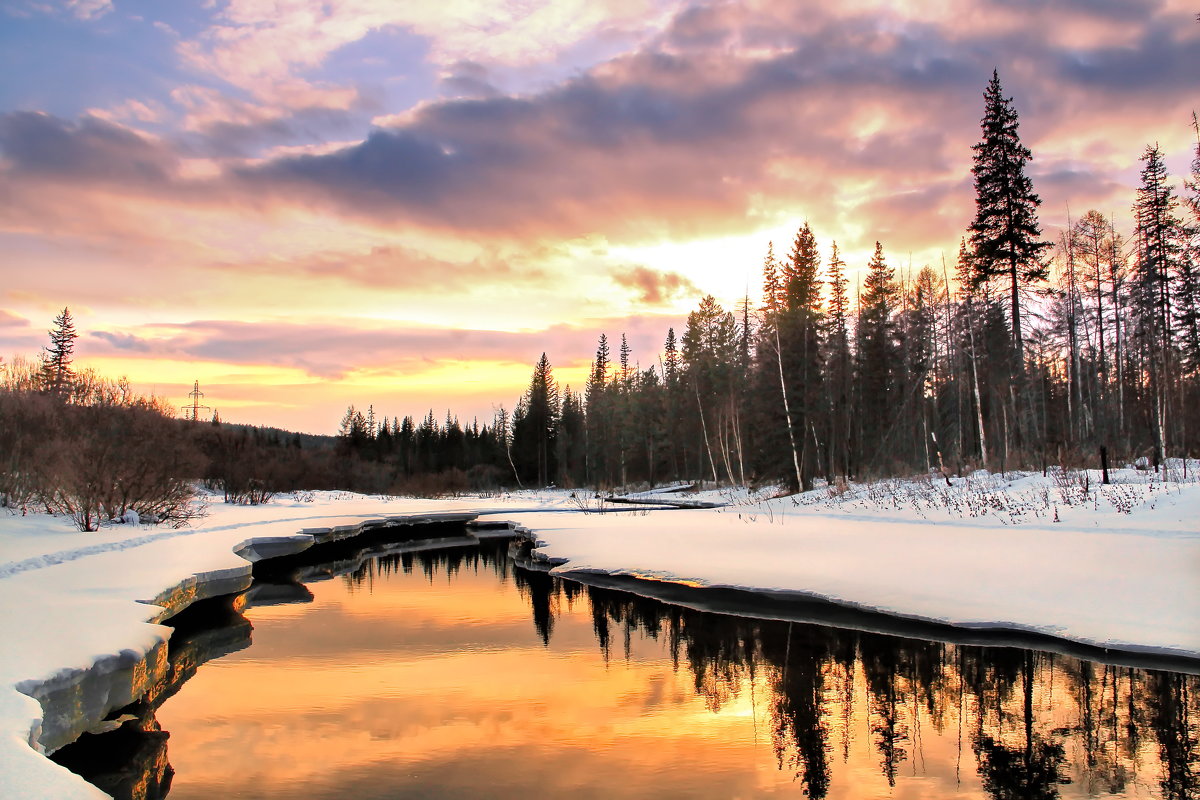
(403, 204)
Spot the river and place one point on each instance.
(452, 672)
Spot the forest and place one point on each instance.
(1017, 353)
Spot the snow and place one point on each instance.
(1113, 566)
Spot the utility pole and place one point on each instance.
(192, 411)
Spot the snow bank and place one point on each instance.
(81, 610)
(1115, 567)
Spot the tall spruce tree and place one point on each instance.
(58, 357)
(1005, 234)
(571, 440)
(709, 354)
(878, 356)
(598, 425)
(672, 403)
(839, 365)
(799, 324)
(535, 426)
(1161, 250)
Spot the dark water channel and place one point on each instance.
(454, 673)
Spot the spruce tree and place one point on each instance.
(838, 365)
(709, 354)
(535, 426)
(1006, 234)
(772, 288)
(799, 326)
(58, 357)
(570, 440)
(672, 402)
(878, 356)
(1161, 247)
(598, 433)
(1193, 182)
(670, 358)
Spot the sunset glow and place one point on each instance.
(308, 205)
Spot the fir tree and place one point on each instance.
(1006, 234)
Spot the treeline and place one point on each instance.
(405, 457)
(1019, 353)
(77, 443)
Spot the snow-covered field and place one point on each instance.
(1116, 566)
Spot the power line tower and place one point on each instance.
(192, 411)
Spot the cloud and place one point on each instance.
(10, 320)
(252, 43)
(218, 125)
(653, 287)
(19, 336)
(467, 79)
(89, 9)
(90, 150)
(736, 117)
(80, 9)
(333, 350)
(383, 267)
(121, 342)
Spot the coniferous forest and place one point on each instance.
(1017, 352)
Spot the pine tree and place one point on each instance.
(57, 374)
(1006, 234)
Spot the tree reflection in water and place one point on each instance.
(1024, 708)
(833, 702)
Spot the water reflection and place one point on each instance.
(454, 673)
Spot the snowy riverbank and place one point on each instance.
(1115, 566)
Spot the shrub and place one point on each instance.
(95, 462)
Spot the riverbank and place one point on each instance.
(1111, 567)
